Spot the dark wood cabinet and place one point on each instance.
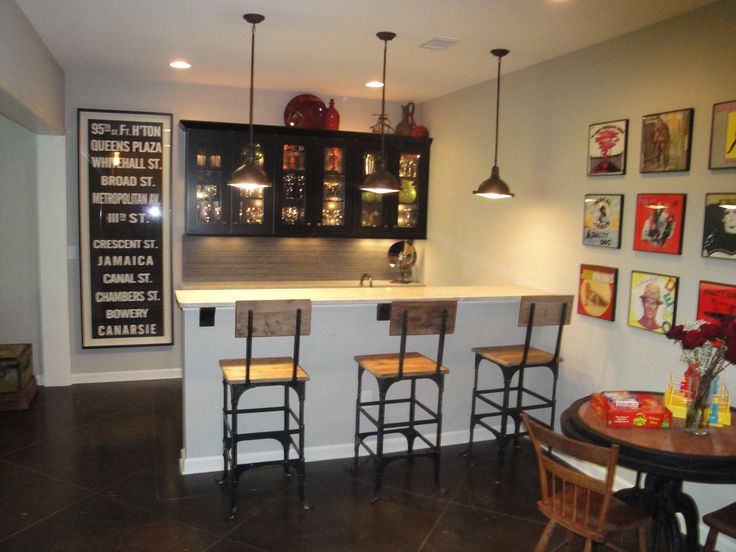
(315, 178)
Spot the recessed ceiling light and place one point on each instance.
(374, 84)
(180, 64)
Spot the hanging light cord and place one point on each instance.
(251, 153)
(383, 107)
(498, 103)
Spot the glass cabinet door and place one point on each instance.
(248, 212)
(208, 191)
(408, 208)
(332, 198)
(291, 188)
(371, 204)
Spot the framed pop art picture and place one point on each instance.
(597, 291)
(607, 148)
(653, 301)
(660, 219)
(665, 141)
(723, 136)
(719, 226)
(716, 302)
(602, 220)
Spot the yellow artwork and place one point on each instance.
(731, 136)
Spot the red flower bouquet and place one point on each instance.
(707, 348)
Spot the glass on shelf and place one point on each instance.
(294, 158)
(333, 213)
(333, 160)
(407, 216)
(292, 185)
(292, 215)
(251, 206)
(408, 165)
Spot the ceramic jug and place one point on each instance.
(406, 125)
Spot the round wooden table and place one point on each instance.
(667, 457)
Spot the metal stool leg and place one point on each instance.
(357, 415)
(438, 441)
(285, 440)
(379, 461)
(478, 359)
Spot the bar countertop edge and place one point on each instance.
(203, 298)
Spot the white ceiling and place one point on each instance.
(329, 47)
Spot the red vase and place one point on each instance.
(332, 117)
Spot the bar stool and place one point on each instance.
(265, 319)
(406, 318)
(720, 521)
(513, 360)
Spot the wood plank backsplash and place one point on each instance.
(232, 259)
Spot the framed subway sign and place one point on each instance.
(125, 228)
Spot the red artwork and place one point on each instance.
(597, 291)
(716, 302)
(659, 223)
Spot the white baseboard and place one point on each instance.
(126, 375)
(205, 464)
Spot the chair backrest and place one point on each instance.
(422, 318)
(272, 319)
(575, 500)
(544, 310)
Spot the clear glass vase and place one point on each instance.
(700, 400)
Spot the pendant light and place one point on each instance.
(382, 181)
(249, 175)
(494, 187)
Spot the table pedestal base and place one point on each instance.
(662, 498)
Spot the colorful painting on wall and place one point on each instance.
(602, 220)
(723, 136)
(719, 227)
(607, 148)
(716, 302)
(665, 141)
(597, 291)
(660, 219)
(653, 301)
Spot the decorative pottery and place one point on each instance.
(407, 193)
(420, 131)
(406, 125)
(332, 117)
(305, 111)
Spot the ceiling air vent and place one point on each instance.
(440, 43)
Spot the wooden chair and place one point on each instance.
(580, 503)
(406, 318)
(510, 401)
(265, 319)
(720, 521)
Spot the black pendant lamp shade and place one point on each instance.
(382, 181)
(494, 187)
(249, 175)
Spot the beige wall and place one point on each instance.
(535, 238)
(19, 300)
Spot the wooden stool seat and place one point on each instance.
(505, 403)
(513, 355)
(387, 366)
(262, 370)
(720, 521)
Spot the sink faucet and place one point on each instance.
(363, 278)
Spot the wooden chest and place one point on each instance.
(17, 382)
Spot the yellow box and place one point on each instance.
(676, 400)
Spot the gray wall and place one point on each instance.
(19, 298)
(535, 238)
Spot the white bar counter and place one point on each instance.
(343, 325)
